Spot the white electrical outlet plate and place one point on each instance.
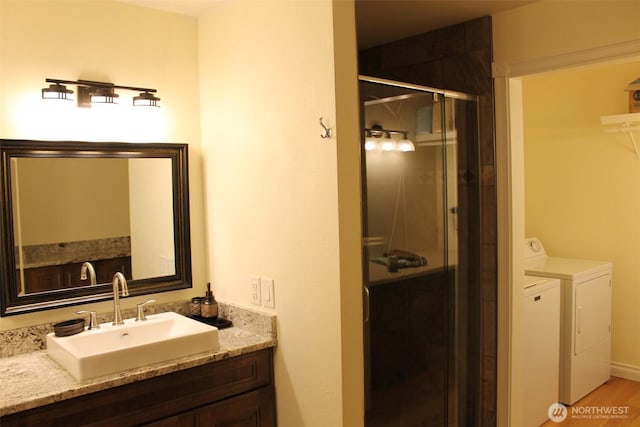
(254, 290)
(268, 298)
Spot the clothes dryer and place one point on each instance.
(585, 320)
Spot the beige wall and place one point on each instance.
(581, 184)
(272, 191)
(113, 42)
(554, 27)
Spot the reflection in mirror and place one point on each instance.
(77, 213)
(67, 211)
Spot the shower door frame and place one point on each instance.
(452, 408)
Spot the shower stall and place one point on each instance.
(421, 246)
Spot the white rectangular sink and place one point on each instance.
(112, 349)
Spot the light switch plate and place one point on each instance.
(254, 290)
(268, 297)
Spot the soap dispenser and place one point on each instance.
(209, 307)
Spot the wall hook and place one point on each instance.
(327, 133)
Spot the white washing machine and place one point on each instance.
(585, 320)
(541, 337)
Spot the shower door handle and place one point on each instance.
(366, 308)
(454, 211)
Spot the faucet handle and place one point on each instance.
(140, 316)
(93, 319)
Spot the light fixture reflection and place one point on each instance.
(370, 143)
(387, 143)
(406, 144)
(378, 138)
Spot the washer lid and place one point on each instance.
(530, 281)
(535, 285)
(564, 268)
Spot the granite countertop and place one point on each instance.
(34, 379)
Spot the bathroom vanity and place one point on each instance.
(233, 385)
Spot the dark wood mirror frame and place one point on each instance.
(11, 303)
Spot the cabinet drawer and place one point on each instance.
(254, 409)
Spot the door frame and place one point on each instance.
(510, 207)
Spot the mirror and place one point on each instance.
(75, 213)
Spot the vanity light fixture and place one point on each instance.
(93, 92)
(103, 95)
(378, 138)
(57, 91)
(146, 99)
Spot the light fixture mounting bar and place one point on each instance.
(92, 83)
(382, 130)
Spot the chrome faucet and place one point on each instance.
(118, 282)
(87, 266)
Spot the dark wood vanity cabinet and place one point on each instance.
(238, 391)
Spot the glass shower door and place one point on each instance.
(413, 328)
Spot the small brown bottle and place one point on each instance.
(195, 306)
(209, 307)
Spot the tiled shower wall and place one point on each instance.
(459, 58)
